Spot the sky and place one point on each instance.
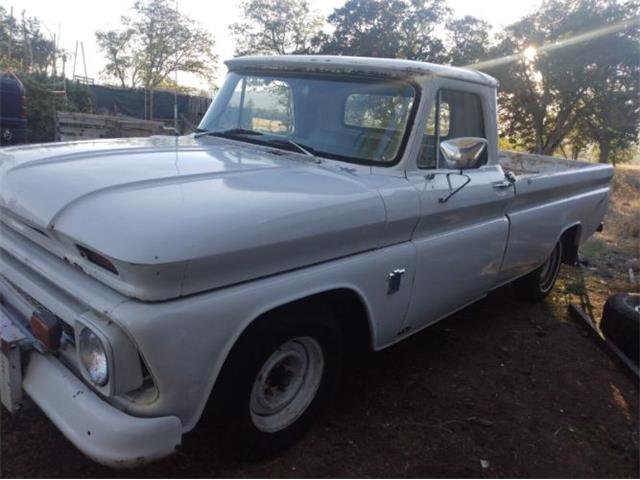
(77, 20)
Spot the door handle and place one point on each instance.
(503, 185)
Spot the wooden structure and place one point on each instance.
(86, 126)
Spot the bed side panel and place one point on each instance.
(547, 205)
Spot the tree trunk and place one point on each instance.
(575, 154)
(564, 153)
(603, 156)
(548, 150)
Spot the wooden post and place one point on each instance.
(75, 58)
(54, 71)
(9, 37)
(84, 61)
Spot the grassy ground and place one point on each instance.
(501, 389)
(608, 257)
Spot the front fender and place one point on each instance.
(185, 342)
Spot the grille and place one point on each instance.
(67, 330)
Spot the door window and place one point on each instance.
(454, 114)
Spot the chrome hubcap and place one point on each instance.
(286, 384)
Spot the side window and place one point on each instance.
(444, 120)
(459, 114)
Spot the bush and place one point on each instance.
(46, 96)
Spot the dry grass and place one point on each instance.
(623, 219)
(610, 254)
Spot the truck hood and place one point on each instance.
(181, 215)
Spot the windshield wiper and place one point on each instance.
(266, 141)
(301, 148)
(229, 132)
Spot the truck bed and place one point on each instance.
(551, 195)
(541, 179)
(526, 164)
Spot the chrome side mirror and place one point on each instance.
(463, 153)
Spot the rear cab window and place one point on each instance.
(383, 112)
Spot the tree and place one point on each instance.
(393, 28)
(153, 43)
(576, 145)
(612, 118)
(117, 47)
(611, 122)
(23, 46)
(275, 27)
(550, 89)
(469, 40)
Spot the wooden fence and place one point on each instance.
(85, 126)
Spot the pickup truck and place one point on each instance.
(325, 204)
(13, 110)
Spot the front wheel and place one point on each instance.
(536, 285)
(277, 380)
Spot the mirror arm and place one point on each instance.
(452, 193)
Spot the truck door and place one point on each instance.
(460, 238)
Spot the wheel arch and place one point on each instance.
(570, 238)
(353, 311)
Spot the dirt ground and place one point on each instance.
(501, 389)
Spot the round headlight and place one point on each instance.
(94, 357)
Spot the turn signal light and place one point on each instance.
(46, 328)
(97, 259)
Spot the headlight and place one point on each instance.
(94, 357)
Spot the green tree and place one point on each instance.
(46, 98)
(393, 28)
(275, 27)
(153, 43)
(611, 119)
(23, 46)
(119, 51)
(577, 145)
(469, 40)
(569, 61)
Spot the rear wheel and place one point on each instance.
(278, 379)
(536, 285)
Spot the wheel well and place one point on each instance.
(570, 242)
(349, 308)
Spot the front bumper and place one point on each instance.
(101, 431)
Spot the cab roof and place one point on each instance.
(389, 67)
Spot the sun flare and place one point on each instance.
(530, 53)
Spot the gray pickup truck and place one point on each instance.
(324, 205)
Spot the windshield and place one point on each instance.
(360, 120)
